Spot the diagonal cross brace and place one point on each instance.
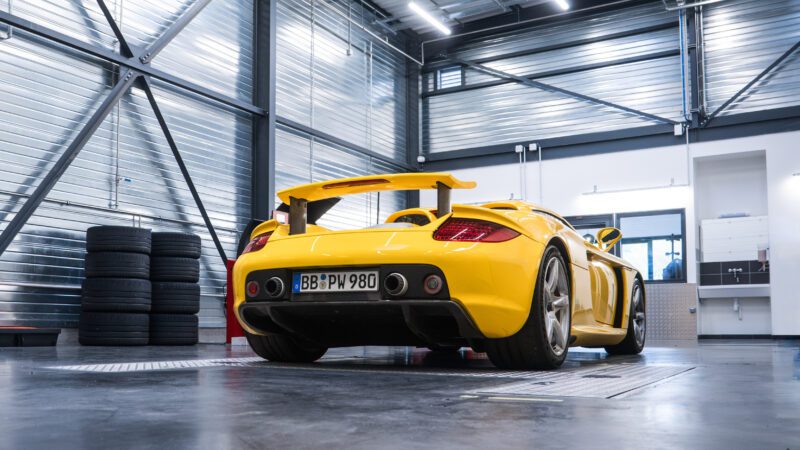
(175, 152)
(550, 88)
(753, 82)
(124, 48)
(127, 79)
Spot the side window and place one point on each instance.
(588, 226)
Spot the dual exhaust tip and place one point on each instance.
(396, 284)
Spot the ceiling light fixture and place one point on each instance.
(429, 18)
(562, 4)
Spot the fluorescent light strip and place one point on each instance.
(429, 18)
(562, 4)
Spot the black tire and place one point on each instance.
(530, 347)
(173, 268)
(115, 295)
(631, 345)
(117, 265)
(176, 244)
(118, 239)
(174, 297)
(106, 328)
(173, 329)
(280, 348)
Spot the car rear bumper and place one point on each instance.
(344, 323)
(492, 283)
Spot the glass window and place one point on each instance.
(448, 77)
(654, 243)
(588, 226)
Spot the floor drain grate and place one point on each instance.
(147, 366)
(606, 382)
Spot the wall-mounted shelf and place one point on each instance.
(733, 291)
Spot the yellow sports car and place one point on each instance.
(508, 278)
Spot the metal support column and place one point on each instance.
(298, 215)
(694, 48)
(413, 141)
(263, 167)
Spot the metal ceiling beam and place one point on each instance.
(558, 90)
(752, 82)
(552, 73)
(145, 84)
(127, 79)
(672, 24)
(129, 63)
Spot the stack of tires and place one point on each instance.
(174, 273)
(116, 294)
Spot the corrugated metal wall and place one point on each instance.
(126, 174)
(512, 112)
(359, 97)
(742, 38)
(303, 159)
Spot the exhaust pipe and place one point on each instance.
(395, 284)
(275, 287)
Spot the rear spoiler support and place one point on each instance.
(443, 206)
(298, 208)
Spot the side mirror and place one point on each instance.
(607, 237)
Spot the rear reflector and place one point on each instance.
(257, 243)
(472, 230)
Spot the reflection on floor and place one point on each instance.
(731, 394)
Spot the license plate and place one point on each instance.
(356, 281)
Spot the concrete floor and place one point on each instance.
(718, 394)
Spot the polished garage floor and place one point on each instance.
(718, 394)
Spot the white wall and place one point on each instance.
(731, 183)
(645, 173)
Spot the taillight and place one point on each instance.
(257, 243)
(471, 230)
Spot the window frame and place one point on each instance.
(682, 211)
(437, 79)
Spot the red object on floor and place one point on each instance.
(233, 328)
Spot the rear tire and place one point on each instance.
(633, 344)
(280, 348)
(543, 341)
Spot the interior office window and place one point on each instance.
(449, 77)
(654, 242)
(588, 226)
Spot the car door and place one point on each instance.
(604, 285)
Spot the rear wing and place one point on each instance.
(298, 197)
